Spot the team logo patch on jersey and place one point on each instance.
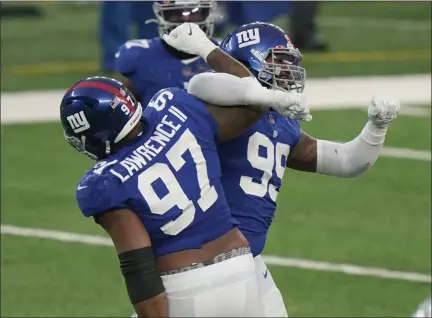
(271, 119)
(187, 71)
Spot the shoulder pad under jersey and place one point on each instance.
(99, 191)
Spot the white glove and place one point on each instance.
(189, 38)
(382, 110)
(291, 105)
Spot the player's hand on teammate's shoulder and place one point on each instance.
(189, 38)
(383, 109)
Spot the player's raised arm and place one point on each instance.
(235, 87)
(350, 159)
(137, 262)
(242, 101)
(189, 38)
(221, 62)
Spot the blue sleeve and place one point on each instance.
(129, 56)
(97, 194)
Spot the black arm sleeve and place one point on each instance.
(141, 276)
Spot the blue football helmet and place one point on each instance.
(96, 113)
(269, 53)
(172, 13)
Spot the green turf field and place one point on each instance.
(62, 47)
(381, 219)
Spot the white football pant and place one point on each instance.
(270, 295)
(225, 289)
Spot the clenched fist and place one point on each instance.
(383, 109)
(291, 105)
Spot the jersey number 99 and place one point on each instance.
(273, 160)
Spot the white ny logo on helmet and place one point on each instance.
(248, 37)
(78, 122)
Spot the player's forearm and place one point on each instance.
(143, 282)
(137, 262)
(223, 63)
(227, 90)
(352, 158)
(223, 89)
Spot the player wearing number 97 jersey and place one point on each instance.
(165, 176)
(157, 180)
(253, 164)
(156, 191)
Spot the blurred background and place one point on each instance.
(351, 50)
(53, 44)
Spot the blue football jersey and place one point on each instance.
(150, 67)
(169, 176)
(252, 169)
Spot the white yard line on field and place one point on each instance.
(321, 93)
(404, 153)
(415, 112)
(348, 269)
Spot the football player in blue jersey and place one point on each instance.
(150, 64)
(254, 163)
(156, 188)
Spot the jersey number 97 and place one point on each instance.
(176, 197)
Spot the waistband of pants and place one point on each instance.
(217, 259)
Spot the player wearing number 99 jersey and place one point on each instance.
(156, 190)
(253, 164)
